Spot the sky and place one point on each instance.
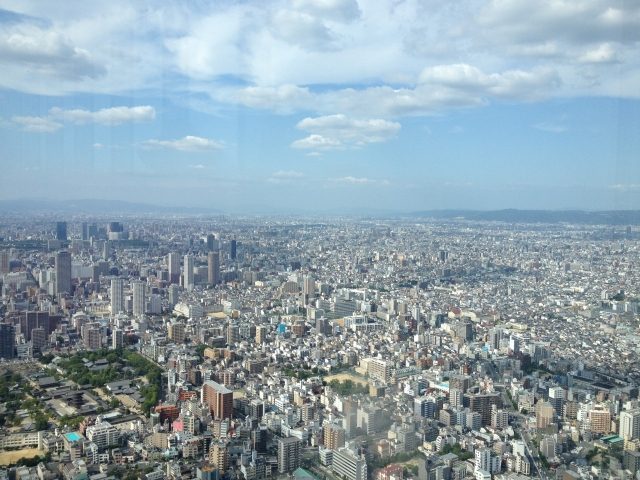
(323, 105)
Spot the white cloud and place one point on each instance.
(37, 124)
(351, 180)
(189, 143)
(340, 131)
(45, 52)
(604, 53)
(198, 166)
(285, 177)
(298, 56)
(105, 116)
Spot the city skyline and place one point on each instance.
(313, 106)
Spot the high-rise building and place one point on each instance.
(4, 262)
(63, 272)
(544, 414)
(174, 294)
(212, 243)
(38, 339)
(219, 455)
(117, 296)
(213, 268)
(219, 399)
(333, 436)
(7, 340)
(600, 416)
(349, 464)
(92, 336)
(173, 264)
(176, 331)
(261, 333)
(233, 249)
(557, 397)
(139, 298)
(61, 231)
(189, 279)
(630, 424)
(85, 231)
(117, 339)
(289, 453)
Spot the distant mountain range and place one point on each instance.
(608, 217)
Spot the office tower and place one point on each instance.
(630, 424)
(495, 337)
(117, 339)
(38, 339)
(139, 298)
(173, 263)
(308, 286)
(212, 243)
(481, 403)
(234, 249)
(85, 231)
(4, 262)
(189, 279)
(106, 250)
(61, 231)
(289, 452)
(174, 294)
(117, 295)
(219, 400)
(63, 272)
(213, 268)
(7, 340)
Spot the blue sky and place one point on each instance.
(323, 105)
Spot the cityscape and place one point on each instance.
(328, 348)
(320, 240)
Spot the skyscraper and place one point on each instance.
(4, 262)
(63, 272)
(173, 263)
(214, 268)
(189, 279)
(61, 231)
(139, 298)
(117, 295)
(7, 340)
(234, 249)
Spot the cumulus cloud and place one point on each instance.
(189, 143)
(46, 52)
(340, 131)
(37, 124)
